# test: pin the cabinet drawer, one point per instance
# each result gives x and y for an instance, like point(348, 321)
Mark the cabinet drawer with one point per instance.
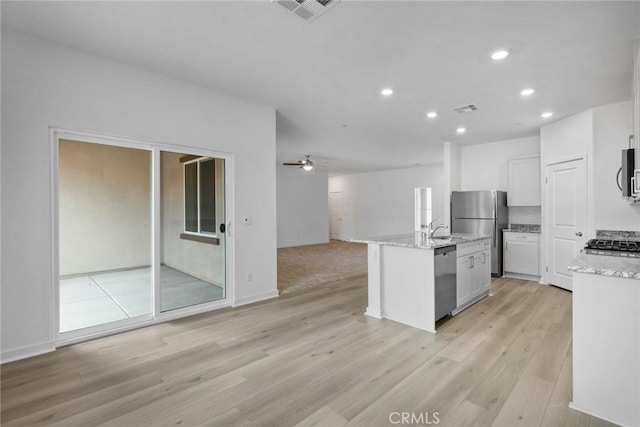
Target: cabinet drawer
point(463, 249)
point(510, 236)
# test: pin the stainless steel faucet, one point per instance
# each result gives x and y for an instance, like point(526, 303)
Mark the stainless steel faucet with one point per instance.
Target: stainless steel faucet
point(433, 230)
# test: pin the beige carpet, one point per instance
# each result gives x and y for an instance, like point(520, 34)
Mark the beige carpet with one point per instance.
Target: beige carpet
point(305, 266)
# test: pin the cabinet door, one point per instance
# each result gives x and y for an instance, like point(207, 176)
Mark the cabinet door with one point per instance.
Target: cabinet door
point(521, 257)
point(485, 271)
point(463, 276)
point(524, 182)
point(475, 280)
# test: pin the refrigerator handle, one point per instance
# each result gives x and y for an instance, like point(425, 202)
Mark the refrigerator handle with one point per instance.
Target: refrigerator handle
point(495, 219)
point(495, 232)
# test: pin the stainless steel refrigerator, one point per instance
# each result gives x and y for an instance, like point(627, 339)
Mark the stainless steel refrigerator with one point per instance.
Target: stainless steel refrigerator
point(482, 212)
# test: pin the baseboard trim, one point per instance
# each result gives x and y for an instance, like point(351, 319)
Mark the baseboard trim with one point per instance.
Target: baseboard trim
point(256, 298)
point(373, 313)
point(521, 276)
point(27, 351)
point(598, 415)
point(301, 244)
point(470, 303)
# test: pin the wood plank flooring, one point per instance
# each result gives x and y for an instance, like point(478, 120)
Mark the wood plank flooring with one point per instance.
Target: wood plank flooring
point(311, 358)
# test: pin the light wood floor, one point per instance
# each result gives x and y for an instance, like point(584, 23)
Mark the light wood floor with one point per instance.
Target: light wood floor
point(312, 358)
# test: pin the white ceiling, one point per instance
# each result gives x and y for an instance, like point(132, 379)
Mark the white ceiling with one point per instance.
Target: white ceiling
point(324, 78)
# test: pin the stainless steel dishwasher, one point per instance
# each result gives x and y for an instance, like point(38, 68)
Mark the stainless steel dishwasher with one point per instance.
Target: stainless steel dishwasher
point(444, 260)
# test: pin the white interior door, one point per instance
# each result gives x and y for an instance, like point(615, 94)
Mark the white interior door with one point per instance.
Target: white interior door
point(566, 216)
point(335, 212)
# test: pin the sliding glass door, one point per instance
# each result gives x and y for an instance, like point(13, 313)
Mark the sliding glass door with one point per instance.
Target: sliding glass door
point(141, 234)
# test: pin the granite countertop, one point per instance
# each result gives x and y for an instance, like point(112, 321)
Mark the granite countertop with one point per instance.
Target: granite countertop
point(606, 265)
point(419, 240)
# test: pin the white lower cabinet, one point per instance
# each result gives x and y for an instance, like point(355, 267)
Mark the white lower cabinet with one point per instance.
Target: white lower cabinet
point(463, 276)
point(521, 253)
point(473, 272)
point(485, 271)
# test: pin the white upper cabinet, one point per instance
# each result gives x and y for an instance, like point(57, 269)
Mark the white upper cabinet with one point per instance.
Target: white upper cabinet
point(524, 182)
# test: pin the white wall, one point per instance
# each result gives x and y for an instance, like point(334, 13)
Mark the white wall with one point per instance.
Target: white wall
point(612, 125)
point(636, 94)
point(105, 207)
point(452, 177)
point(567, 137)
point(302, 206)
point(525, 215)
point(383, 203)
point(45, 84)
point(485, 166)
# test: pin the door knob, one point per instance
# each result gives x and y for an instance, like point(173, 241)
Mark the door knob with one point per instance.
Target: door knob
point(579, 234)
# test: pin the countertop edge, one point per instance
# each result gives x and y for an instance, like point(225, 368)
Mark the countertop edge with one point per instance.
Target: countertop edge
point(387, 241)
point(604, 265)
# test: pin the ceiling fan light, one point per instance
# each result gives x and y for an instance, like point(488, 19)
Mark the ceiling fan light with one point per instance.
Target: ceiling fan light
point(307, 167)
point(499, 54)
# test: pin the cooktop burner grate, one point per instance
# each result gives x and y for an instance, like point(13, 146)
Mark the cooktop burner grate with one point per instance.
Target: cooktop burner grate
point(628, 248)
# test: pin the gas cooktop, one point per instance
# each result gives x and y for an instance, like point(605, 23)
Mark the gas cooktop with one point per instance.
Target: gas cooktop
point(625, 248)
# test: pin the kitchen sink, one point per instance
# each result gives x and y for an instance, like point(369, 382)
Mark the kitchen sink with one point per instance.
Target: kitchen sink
point(442, 240)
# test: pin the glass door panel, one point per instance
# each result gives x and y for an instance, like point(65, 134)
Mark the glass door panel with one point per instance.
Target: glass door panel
point(192, 213)
point(104, 202)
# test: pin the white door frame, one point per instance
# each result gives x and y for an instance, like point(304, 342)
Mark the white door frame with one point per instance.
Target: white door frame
point(545, 234)
point(55, 135)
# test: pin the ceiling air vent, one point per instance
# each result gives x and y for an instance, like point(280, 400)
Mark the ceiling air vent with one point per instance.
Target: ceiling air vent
point(309, 10)
point(466, 108)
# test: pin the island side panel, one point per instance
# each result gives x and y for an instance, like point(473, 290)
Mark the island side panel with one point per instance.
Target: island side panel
point(407, 291)
point(374, 292)
point(606, 347)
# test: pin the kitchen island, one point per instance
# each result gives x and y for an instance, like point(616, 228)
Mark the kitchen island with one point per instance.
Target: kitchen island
point(606, 337)
point(410, 276)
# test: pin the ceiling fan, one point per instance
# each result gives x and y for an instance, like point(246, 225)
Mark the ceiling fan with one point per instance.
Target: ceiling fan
point(305, 164)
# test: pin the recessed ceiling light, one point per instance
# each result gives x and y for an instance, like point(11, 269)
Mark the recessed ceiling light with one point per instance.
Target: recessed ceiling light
point(499, 54)
point(461, 130)
point(432, 115)
point(546, 115)
point(527, 92)
point(386, 91)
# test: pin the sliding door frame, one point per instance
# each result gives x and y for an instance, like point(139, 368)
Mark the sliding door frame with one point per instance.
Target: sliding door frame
point(157, 316)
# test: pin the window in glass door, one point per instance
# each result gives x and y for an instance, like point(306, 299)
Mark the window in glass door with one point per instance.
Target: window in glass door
point(200, 196)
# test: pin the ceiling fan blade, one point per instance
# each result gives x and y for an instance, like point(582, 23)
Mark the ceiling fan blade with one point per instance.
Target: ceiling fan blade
point(293, 164)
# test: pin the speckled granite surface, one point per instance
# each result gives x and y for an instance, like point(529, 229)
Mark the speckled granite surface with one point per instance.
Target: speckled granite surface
point(525, 228)
point(604, 265)
point(419, 240)
point(618, 235)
